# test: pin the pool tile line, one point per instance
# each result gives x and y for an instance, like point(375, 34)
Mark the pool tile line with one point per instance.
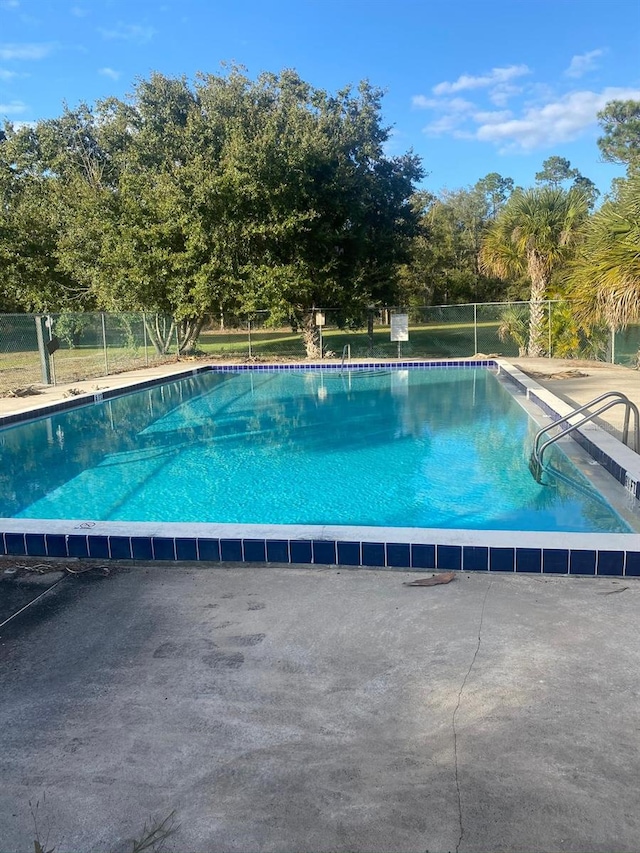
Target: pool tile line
point(417, 556)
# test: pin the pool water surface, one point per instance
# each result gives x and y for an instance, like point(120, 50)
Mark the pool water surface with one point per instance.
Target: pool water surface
point(444, 448)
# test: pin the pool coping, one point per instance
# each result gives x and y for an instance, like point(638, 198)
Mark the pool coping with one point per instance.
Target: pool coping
point(606, 554)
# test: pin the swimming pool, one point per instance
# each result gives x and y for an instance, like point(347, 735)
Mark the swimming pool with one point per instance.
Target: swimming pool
point(385, 448)
point(305, 465)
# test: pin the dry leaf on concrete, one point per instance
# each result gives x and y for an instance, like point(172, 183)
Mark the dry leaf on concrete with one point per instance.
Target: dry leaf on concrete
point(445, 577)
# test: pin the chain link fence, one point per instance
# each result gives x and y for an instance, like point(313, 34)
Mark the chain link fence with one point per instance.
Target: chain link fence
point(64, 348)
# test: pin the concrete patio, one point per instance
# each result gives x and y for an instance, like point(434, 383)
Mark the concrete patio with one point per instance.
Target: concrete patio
point(323, 709)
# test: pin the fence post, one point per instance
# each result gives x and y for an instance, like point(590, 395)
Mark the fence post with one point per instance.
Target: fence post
point(144, 332)
point(177, 342)
point(613, 345)
point(549, 324)
point(475, 328)
point(249, 331)
point(45, 364)
point(104, 344)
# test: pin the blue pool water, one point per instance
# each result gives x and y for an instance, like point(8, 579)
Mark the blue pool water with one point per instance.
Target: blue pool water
point(442, 448)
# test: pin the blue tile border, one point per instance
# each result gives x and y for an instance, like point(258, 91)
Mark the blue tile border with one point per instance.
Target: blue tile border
point(422, 556)
point(373, 554)
point(408, 556)
point(255, 550)
point(502, 559)
point(277, 551)
point(301, 551)
point(529, 560)
point(15, 545)
point(449, 557)
point(324, 551)
point(475, 558)
point(583, 562)
point(186, 549)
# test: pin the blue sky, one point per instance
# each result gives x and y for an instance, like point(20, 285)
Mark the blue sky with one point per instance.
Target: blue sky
point(472, 86)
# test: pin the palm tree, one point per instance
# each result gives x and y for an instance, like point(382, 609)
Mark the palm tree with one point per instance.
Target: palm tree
point(533, 234)
point(604, 279)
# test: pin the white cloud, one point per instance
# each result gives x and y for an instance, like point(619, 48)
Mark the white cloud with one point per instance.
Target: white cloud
point(495, 77)
point(423, 103)
point(79, 12)
point(25, 51)
point(492, 116)
point(129, 32)
point(583, 63)
point(455, 112)
point(500, 94)
point(444, 124)
point(9, 4)
point(559, 121)
point(7, 75)
point(109, 72)
point(456, 105)
point(14, 108)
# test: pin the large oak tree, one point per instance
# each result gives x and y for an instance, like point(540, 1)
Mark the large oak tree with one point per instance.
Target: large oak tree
point(227, 193)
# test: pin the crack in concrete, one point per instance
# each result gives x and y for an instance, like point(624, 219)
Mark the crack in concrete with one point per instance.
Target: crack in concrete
point(455, 712)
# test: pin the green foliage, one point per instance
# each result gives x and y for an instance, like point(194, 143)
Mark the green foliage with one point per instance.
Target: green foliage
point(620, 143)
point(225, 194)
point(557, 171)
point(567, 337)
point(70, 326)
point(535, 233)
point(514, 324)
point(495, 190)
point(572, 339)
point(444, 266)
point(604, 278)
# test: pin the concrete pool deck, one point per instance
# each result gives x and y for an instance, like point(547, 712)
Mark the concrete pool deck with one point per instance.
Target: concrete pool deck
point(323, 710)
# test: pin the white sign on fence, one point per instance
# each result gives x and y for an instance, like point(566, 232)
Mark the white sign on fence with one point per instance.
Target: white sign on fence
point(399, 327)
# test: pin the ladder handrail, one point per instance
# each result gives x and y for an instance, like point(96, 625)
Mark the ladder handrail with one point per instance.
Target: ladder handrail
point(621, 399)
point(345, 349)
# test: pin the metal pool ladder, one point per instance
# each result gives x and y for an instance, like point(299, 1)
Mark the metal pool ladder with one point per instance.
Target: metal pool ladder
point(615, 398)
point(346, 354)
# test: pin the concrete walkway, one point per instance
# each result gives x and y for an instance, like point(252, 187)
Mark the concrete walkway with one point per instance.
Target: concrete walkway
point(578, 382)
point(281, 709)
point(49, 394)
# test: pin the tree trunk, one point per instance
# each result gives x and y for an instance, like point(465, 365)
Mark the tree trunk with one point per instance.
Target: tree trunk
point(158, 334)
point(370, 337)
point(311, 335)
point(188, 334)
point(538, 274)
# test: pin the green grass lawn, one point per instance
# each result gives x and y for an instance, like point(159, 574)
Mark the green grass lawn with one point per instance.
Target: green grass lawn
point(435, 340)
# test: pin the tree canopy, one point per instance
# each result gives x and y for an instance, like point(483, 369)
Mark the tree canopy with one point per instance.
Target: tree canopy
point(444, 264)
point(534, 234)
point(620, 142)
point(557, 171)
point(604, 278)
point(225, 193)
